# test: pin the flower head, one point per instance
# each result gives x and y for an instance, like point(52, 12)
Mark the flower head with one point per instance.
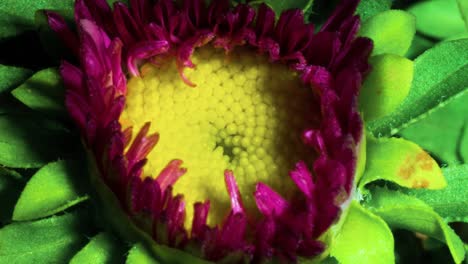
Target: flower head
point(256, 127)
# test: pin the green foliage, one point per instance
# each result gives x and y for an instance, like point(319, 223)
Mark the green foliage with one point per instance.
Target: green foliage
point(386, 86)
point(451, 202)
point(463, 6)
point(368, 8)
point(103, 248)
point(449, 123)
point(51, 240)
point(439, 74)
point(11, 184)
point(17, 16)
point(29, 141)
point(11, 77)
point(402, 162)
point(54, 188)
point(438, 18)
point(406, 212)
point(364, 237)
point(391, 31)
point(43, 92)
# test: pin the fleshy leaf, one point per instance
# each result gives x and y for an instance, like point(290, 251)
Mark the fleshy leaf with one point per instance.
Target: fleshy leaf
point(449, 123)
point(402, 162)
point(364, 237)
point(369, 8)
point(43, 92)
point(463, 6)
point(54, 188)
point(17, 16)
point(12, 76)
point(11, 185)
point(392, 32)
point(406, 212)
point(438, 18)
point(103, 248)
point(51, 240)
point(29, 141)
point(139, 254)
point(439, 74)
point(386, 86)
point(451, 203)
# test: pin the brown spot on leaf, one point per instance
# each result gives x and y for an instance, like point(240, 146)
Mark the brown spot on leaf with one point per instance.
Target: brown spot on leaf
point(421, 184)
point(424, 161)
point(407, 169)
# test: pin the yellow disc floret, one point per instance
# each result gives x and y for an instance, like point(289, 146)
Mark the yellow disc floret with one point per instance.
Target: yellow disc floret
point(245, 114)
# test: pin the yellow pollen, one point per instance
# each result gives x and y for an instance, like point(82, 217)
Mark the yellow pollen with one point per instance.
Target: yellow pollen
point(245, 114)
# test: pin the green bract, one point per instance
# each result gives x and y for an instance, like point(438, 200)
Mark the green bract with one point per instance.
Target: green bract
point(392, 32)
point(364, 237)
point(386, 86)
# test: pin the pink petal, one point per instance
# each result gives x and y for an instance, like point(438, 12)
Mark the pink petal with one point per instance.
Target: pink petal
point(269, 202)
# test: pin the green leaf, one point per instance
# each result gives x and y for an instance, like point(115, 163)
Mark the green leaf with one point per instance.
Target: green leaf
point(10, 105)
point(368, 8)
point(364, 237)
point(280, 5)
point(10, 77)
point(438, 18)
point(139, 254)
point(28, 141)
point(103, 248)
point(386, 86)
point(463, 6)
point(17, 16)
point(403, 162)
point(43, 92)
point(11, 184)
point(392, 32)
point(451, 203)
point(51, 240)
point(54, 188)
point(449, 123)
point(419, 45)
point(439, 74)
point(406, 212)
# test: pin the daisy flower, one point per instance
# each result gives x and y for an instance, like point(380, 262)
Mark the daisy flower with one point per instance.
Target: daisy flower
point(227, 132)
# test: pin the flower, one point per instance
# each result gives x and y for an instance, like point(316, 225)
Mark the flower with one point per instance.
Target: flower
point(330, 65)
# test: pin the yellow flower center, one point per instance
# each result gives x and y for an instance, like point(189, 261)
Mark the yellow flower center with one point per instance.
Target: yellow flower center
point(245, 114)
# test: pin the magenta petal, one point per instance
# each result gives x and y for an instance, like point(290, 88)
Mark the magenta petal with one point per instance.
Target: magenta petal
point(144, 50)
point(199, 226)
point(269, 202)
point(72, 77)
point(341, 13)
point(170, 174)
point(233, 190)
point(303, 179)
point(233, 231)
point(59, 26)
